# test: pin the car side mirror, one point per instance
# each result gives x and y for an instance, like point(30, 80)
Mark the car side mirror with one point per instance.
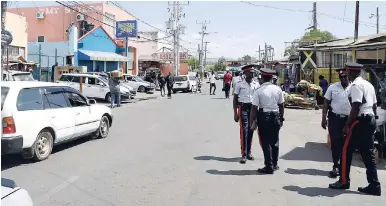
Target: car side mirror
point(91, 101)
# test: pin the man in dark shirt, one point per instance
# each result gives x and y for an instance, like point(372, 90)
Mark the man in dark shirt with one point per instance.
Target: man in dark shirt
point(323, 83)
point(169, 84)
point(53, 71)
point(162, 82)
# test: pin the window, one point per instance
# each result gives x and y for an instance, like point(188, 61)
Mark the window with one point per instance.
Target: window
point(92, 81)
point(4, 93)
point(339, 60)
point(41, 39)
point(65, 78)
point(76, 79)
point(23, 77)
point(75, 99)
point(55, 98)
point(110, 20)
point(180, 78)
point(29, 99)
point(192, 78)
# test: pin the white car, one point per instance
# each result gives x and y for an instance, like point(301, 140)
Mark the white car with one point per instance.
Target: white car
point(140, 84)
point(12, 195)
point(13, 75)
point(93, 86)
point(184, 83)
point(38, 115)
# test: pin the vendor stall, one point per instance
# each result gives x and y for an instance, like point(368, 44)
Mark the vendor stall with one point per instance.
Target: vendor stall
point(306, 98)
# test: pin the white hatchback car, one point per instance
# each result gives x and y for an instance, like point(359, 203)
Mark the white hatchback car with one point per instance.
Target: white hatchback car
point(38, 115)
point(184, 83)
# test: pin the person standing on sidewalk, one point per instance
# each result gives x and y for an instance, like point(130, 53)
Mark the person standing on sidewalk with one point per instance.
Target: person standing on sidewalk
point(162, 82)
point(336, 98)
point(169, 84)
point(115, 92)
point(359, 131)
point(242, 103)
point(212, 81)
point(227, 84)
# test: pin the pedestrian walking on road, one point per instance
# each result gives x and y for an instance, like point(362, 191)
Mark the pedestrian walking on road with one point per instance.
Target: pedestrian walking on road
point(235, 80)
point(227, 84)
point(359, 130)
point(242, 103)
point(337, 108)
point(198, 82)
point(212, 81)
point(169, 84)
point(268, 107)
point(162, 82)
point(115, 93)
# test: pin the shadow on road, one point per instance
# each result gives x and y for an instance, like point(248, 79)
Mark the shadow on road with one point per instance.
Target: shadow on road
point(313, 172)
point(222, 159)
point(14, 160)
point(319, 152)
point(233, 172)
point(318, 191)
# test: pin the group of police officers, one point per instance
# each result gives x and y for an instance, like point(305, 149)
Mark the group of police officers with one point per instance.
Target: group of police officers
point(350, 108)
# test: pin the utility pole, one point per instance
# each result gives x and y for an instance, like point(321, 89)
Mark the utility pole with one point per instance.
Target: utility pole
point(3, 16)
point(40, 62)
point(314, 17)
point(356, 21)
point(205, 51)
point(201, 54)
point(377, 18)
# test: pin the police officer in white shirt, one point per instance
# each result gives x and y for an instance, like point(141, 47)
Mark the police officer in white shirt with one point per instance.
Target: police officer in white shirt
point(242, 103)
point(359, 131)
point(268, 105)
point(337, 108)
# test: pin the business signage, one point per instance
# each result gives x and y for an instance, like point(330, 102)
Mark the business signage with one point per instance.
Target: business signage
point(126, 29)
point(169, 56)
point(6, 38)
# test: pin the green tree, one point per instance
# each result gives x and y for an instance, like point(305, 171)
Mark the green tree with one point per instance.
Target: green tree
point(246, 58)
point(194, 63)
point(219, 66)
point(309, 37)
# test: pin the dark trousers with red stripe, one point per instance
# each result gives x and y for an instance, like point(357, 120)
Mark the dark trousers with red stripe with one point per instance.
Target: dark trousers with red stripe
point(268, 130)
point(246, 133)
point(335, 126)
point(360, 136)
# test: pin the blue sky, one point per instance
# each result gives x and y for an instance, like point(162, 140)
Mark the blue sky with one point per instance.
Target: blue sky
point(243, 27)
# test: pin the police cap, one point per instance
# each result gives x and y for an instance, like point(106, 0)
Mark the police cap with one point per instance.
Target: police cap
point(267, 72)
point(353, 66)
point(247, 68)
point(340, 71)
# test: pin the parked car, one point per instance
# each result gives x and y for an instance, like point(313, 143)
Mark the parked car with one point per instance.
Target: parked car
point(39, 115)
point(220, 75)
point(13, 75)
point(136, 82)
point(133, 91)
point(94, 86)
point(12, 195)
point(184, 83)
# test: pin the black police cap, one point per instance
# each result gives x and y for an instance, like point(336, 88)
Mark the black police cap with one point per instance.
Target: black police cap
point(353, 66)
point(247, 67)
point(267, 72)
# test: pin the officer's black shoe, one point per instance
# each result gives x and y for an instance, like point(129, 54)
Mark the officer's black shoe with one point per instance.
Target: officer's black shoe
point(334, 173)
point(371, 190)
point(276, 167)
point(250, 157)
point(339, 186)
point(243, 160)
point(265, 170)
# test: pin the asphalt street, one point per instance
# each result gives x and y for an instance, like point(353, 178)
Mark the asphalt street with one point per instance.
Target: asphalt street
point(185, 151)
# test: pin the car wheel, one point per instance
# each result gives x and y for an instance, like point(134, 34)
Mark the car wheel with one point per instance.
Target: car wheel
point(141, 89)
point(108, 97)
point(104, 127)
point(42, 147)
point(174, 91)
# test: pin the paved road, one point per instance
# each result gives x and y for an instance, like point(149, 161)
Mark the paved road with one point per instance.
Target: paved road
point(184, 151)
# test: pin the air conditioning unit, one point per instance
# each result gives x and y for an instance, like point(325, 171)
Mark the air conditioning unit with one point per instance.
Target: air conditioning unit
point(40, 15)
point(80, 17)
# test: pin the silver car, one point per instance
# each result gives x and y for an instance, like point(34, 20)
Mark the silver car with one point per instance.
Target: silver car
point(136, 82)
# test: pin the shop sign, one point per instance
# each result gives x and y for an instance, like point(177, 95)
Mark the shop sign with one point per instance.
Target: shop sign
point(169, 56)
point(126, 29)
point(6, 38)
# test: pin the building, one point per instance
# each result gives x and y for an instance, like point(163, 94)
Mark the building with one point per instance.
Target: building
point(17, 50)
point(324, 58)
point(49, 27)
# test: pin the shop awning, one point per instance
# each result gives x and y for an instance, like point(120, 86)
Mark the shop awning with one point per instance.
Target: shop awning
point(101, 56)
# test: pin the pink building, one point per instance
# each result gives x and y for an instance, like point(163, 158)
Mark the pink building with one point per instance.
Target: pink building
point(50, 23)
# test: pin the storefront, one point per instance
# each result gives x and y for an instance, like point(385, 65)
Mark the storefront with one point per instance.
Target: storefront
point(99, 52)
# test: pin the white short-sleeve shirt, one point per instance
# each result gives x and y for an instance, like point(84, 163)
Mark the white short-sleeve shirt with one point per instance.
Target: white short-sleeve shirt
point(245, 91)
point(363, 90)
point(268, 97)
point(339, 98)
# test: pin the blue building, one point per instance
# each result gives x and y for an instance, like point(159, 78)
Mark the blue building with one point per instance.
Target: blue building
point(98, 51)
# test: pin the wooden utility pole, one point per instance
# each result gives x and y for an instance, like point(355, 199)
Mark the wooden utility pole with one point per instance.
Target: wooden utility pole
point(314, 17)
point(377, 16)
point(356, 21)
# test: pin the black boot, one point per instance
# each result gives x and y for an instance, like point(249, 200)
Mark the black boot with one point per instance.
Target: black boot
point(243, 160)
point(250, 157)
point(276, 167)
point(339, 185)
point(334, 173)
point(371, 190)
point(266, 170)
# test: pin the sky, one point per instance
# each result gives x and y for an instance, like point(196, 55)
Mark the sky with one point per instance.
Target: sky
point(237, 29)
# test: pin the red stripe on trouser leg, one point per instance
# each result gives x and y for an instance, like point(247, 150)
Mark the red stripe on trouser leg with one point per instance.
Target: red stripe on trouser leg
point(241, 132)
point(344, 152)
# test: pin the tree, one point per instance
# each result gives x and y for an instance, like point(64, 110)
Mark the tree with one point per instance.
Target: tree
point(219, 66)
point(308, 38)
point(246, 58)
point(194, 63)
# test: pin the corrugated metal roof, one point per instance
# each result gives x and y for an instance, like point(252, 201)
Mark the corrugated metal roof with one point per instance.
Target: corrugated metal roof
point(348, 41)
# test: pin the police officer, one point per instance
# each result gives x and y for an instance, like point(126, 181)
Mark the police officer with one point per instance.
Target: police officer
point(242, 103)
point(268, 106)
point(337, 108)
point(359, 130)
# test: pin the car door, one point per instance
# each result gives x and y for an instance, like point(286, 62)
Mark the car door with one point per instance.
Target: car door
point(95, 88)
point(85, 120)
point(59, 113)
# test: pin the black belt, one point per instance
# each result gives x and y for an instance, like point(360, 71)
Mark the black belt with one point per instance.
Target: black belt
point(245, 104)
point(338, 115)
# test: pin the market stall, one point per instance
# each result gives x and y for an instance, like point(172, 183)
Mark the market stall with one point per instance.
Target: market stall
point(305, 98)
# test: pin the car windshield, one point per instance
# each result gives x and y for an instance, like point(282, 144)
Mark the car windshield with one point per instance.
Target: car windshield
point(4, 93)
point(23, 77)
point(192, 78)
point(220, 72)
point(180, 78)
point(137, 78)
